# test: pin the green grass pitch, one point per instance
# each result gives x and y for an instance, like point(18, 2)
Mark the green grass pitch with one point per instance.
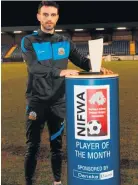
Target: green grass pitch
point(13, 84)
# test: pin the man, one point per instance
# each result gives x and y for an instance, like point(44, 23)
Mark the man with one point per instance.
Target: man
point(46, 54)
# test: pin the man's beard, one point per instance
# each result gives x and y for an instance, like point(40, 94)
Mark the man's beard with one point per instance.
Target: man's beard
point(48, 28)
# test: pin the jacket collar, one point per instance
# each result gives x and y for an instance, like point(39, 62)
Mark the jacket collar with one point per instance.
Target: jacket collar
point(43, 34)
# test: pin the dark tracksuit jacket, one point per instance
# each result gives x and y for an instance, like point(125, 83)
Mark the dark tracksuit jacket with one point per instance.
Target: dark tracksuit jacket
point(46, 55)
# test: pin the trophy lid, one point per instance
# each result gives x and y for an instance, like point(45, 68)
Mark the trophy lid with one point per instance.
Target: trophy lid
point(91, 75)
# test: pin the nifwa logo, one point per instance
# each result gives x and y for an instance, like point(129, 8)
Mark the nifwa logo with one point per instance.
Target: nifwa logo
point(91, 110)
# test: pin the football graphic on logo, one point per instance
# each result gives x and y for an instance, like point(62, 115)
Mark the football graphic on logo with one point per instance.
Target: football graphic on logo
point(94, 127)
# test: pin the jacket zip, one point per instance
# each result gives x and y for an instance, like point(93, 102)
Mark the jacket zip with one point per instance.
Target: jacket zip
point(52, 68)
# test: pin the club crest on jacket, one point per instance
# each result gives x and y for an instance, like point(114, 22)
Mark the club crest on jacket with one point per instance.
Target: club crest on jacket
point(61, 51)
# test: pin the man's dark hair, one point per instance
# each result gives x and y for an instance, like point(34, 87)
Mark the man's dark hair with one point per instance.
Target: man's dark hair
point(48, 3)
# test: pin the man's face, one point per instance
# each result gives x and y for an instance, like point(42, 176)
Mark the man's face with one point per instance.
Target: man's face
point(48, 17)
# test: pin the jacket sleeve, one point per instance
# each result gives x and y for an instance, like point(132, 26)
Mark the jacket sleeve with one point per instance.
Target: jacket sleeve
point(35, 66)
point(78, 59)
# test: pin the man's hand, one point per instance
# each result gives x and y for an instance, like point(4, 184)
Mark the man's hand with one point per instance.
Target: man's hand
point(69, 72)
point(106, 71)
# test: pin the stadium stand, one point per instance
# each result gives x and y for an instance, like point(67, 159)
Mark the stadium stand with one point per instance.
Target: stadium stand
point(120, 47)
point(114, 48)
point(83, 47)
point(122, 44)
point(4, 49)
point(16, 55)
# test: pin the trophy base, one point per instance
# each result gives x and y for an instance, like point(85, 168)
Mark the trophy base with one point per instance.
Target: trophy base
point(90, 73)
